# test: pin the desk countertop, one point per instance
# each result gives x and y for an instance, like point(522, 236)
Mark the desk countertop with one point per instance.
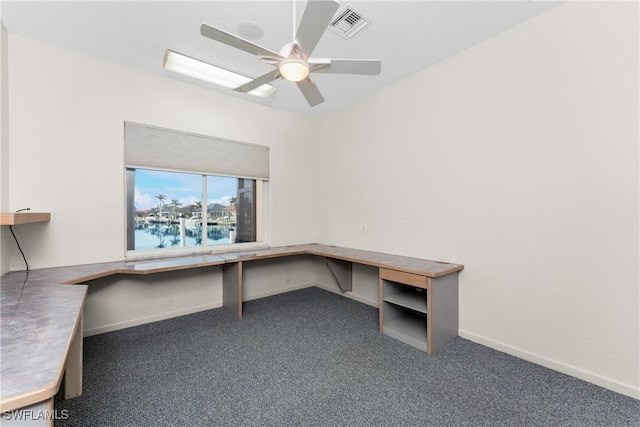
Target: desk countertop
point(38, 320)
point(423, 267)
point(82, 273)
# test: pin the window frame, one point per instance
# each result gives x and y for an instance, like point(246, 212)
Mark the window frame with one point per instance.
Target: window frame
point(153, 148)
point(260, 242)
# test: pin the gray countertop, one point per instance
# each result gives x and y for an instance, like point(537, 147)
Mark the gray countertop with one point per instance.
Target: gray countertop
point(37, 324)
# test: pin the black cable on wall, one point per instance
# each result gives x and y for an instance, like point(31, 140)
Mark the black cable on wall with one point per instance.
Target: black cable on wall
point(16, 239)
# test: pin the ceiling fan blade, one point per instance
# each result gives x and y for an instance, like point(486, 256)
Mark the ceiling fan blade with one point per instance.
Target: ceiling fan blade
point(310, 92)
point(233, 41)
point(370, 67)
point(259, 81)
point(315, 20)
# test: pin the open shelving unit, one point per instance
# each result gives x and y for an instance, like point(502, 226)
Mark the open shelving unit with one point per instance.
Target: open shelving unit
point(406, 316)
point(403, 308)
point(418, 310)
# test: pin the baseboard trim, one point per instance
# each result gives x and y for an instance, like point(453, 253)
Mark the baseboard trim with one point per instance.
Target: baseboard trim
point(599, 380)
point(149, 319)
point(347, 294)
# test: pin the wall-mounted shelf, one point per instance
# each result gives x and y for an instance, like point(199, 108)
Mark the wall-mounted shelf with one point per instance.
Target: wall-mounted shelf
point(17, 218)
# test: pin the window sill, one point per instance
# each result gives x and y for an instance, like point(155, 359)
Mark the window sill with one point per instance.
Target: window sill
point(181, 252)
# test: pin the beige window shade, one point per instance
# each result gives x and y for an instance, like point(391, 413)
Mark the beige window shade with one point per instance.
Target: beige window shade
point(157, 148)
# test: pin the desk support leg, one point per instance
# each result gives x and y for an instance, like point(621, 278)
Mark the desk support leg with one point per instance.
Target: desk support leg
point(442, 311)
point(73, 366)
point(232, 287)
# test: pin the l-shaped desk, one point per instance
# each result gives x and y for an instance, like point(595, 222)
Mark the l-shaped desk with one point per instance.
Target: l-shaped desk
point(42, 322)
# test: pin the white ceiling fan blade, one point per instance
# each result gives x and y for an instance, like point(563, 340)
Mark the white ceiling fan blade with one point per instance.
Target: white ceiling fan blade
point(259, 81)
point(233, 41)
point(370, 67)
point(310, 92)
point(315, 20)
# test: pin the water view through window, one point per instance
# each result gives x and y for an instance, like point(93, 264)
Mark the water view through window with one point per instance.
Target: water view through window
point(173, 209)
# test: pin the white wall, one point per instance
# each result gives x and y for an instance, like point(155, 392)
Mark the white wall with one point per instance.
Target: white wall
point(518, 158)
point(67, 115)
point(5, 235)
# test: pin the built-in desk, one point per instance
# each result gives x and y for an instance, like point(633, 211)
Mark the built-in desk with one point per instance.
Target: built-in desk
point(433, 284)
point(42, 318)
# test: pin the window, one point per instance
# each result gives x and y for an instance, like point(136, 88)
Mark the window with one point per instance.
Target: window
point(169, 212)
point(191, 192)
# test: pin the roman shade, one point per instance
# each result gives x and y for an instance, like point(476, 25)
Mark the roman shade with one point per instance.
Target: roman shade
point(156, 148)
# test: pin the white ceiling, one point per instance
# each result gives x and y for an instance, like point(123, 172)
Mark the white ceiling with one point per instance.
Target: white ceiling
point(407, 36)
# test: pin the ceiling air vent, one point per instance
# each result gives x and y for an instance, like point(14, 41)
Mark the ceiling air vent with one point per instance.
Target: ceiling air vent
point(348, 22)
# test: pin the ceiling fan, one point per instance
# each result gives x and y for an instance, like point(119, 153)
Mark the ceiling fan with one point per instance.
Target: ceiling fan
point(294, 62)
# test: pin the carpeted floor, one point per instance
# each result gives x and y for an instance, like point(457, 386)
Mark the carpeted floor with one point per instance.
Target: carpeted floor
point(313, 358)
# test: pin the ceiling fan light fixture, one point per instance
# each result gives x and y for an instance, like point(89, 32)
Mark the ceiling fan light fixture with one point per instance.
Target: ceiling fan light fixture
point(191, 67)
point(294, 69)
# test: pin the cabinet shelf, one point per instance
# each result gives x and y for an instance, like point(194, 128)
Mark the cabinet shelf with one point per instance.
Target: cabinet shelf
point(17, 218)
point(410, 300)
point(410, 330)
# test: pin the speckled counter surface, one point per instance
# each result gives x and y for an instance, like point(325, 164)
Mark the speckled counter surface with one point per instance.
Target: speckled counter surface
point(423, 267)
point(37, 324)
point(419, 266)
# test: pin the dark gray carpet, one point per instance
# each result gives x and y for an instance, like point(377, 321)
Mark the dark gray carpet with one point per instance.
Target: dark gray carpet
point(313, 358)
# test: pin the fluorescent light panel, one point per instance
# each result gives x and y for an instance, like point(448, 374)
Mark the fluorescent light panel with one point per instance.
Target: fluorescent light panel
point(182, 64)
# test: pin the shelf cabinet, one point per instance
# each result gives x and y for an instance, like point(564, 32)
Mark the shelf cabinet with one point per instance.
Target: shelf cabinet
point(418, 310)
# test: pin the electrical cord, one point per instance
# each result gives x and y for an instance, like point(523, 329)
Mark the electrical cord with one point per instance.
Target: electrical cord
point(16, 239)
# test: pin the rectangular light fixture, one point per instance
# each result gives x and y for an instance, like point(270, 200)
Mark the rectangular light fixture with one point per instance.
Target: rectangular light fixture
point(182, 64)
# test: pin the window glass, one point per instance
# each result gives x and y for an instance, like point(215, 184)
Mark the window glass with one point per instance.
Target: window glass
point(166, 210)
point(162, 202)
point(221, 210)
point(246, 218)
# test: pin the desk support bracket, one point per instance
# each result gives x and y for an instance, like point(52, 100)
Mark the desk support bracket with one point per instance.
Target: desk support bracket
point(342, 272)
